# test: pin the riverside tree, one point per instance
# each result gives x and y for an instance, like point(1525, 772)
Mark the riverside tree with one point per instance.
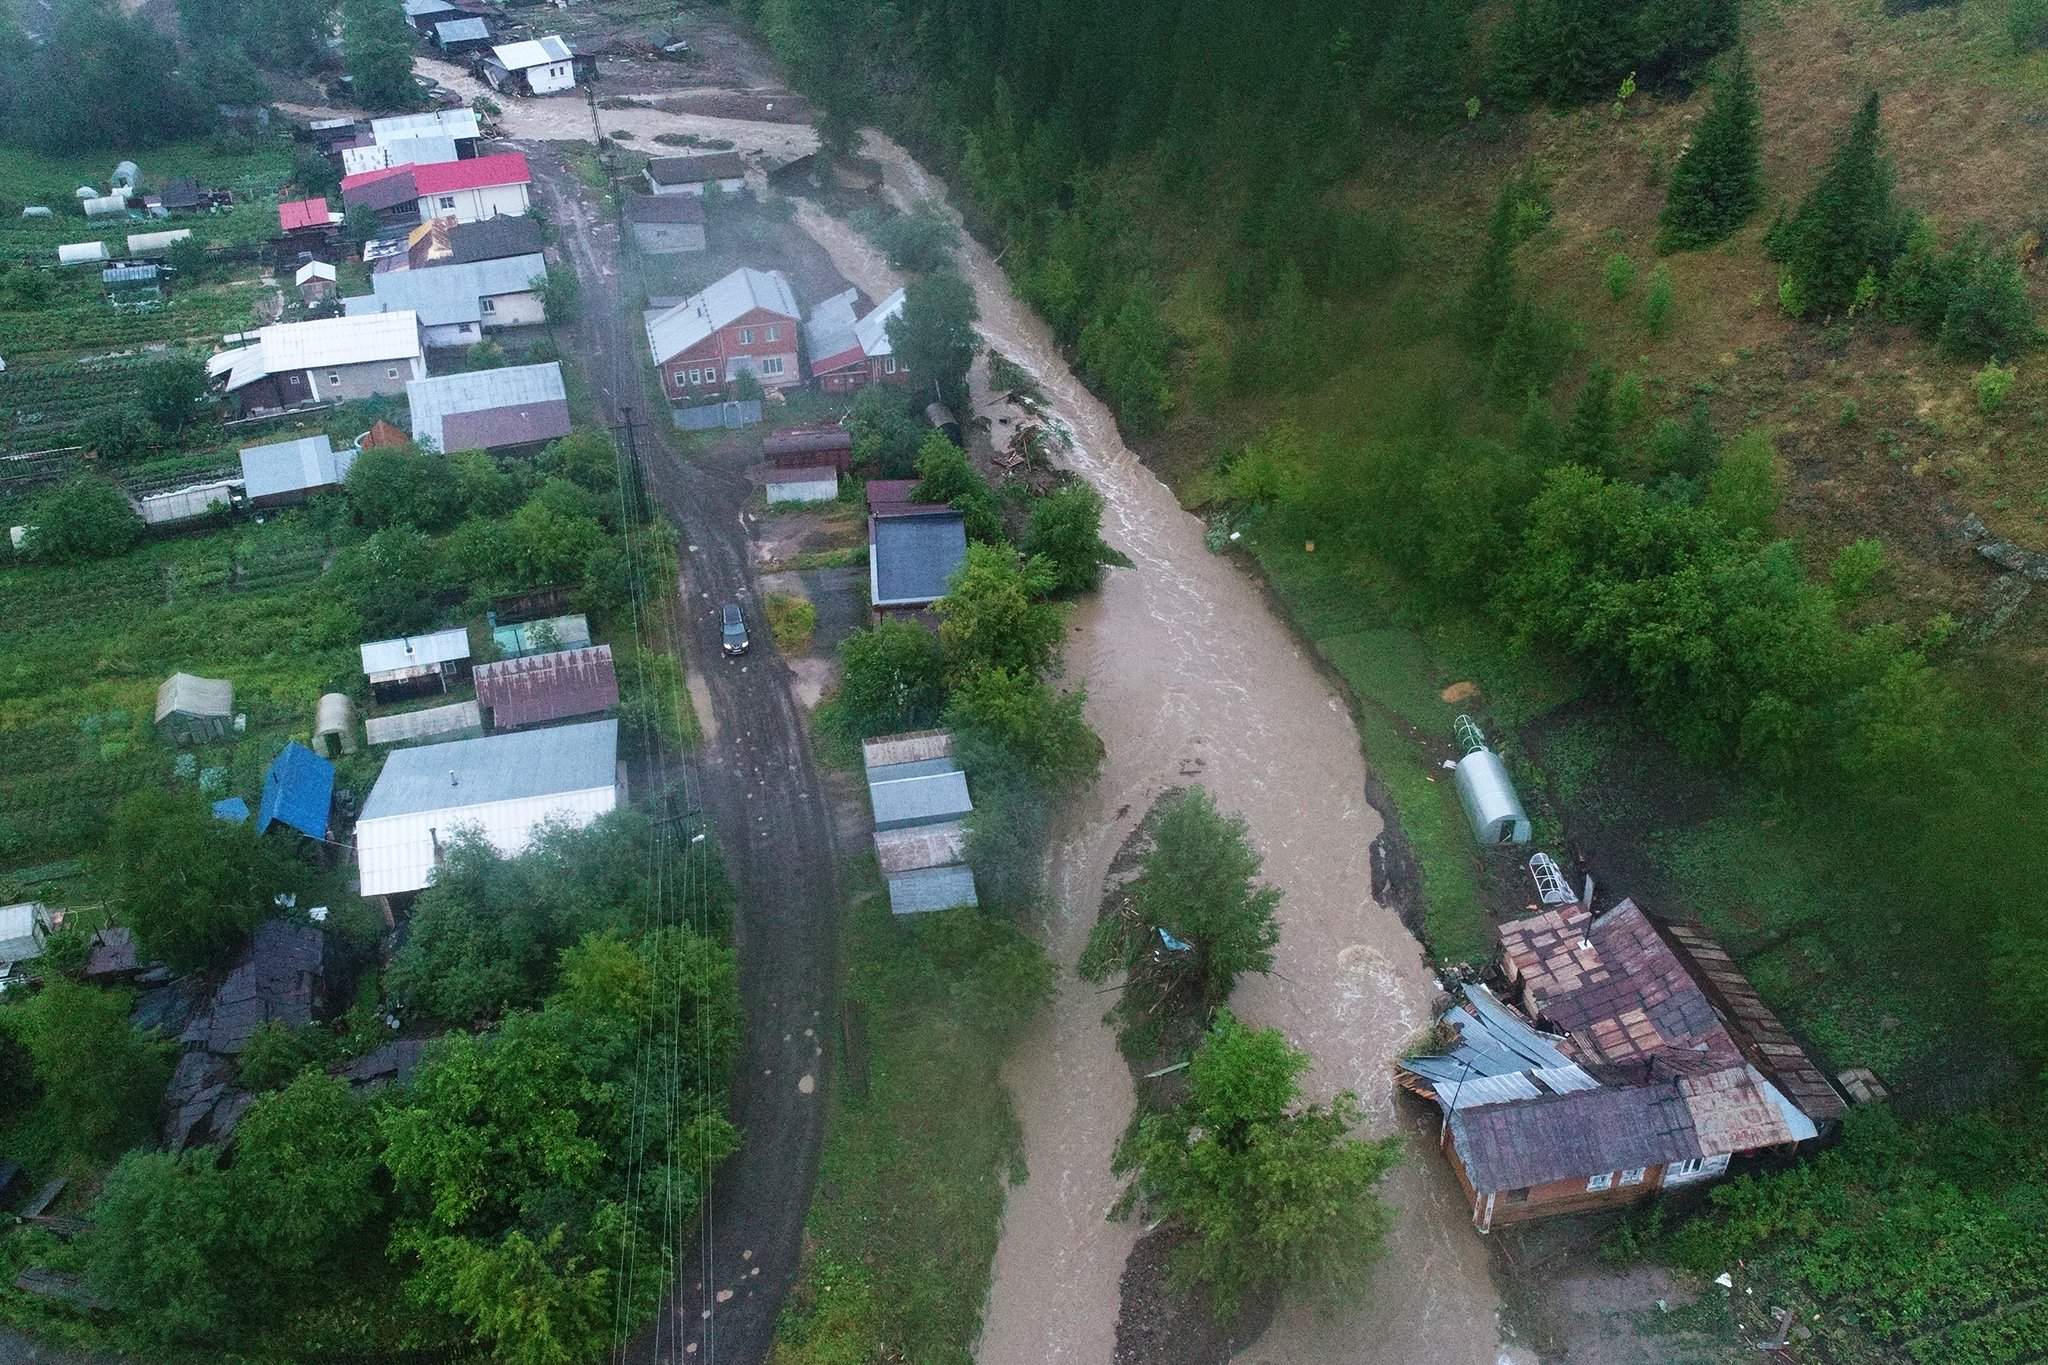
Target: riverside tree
point(1274, 1192)
point(1718, 183)
point(1066, 532)
point(892, 677)
point(934, 334)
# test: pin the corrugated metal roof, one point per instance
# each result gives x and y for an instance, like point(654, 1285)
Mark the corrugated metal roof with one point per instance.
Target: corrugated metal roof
point(433, 401)
point(303, 213)
point(294, 466)
point(829, 332)
point(435, 722)
point(461, 31)
point(938, 888)
point(911, 559)
point(488, 239)
point(920, 847)
point(453, 123)
point(497, 428)
point(298, 788)
point(545, 687)
point(503, 786)
point(340, 341)
point(920, 800)
point(415, 651)
point(916, 767)
point(446, 295)
point(664, 208)
point(722, 303)
point(872, 331)
point(696, 169)
point(429, 149)
point(532, 52)
point(502, 168)
point(906, 748)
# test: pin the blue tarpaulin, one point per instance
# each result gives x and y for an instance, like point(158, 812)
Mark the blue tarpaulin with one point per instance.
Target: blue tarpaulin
point(297, 792)
point(234, 810)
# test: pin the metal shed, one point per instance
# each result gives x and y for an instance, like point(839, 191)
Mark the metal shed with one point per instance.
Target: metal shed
point(1487, 791)
point(928, 800)
point(191, 709)
point(23, 929)
point(819, 484)
point(935, 888)
point(402, 665)
point(334, 725)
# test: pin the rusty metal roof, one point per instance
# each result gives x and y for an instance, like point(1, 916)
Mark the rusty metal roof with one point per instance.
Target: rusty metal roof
point(545, 687)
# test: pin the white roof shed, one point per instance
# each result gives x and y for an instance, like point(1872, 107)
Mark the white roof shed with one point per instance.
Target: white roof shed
point(409, 654)
point(23, 928)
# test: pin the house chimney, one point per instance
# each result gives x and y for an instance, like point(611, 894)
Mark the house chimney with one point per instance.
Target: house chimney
point(451, 778)
point(408, 645)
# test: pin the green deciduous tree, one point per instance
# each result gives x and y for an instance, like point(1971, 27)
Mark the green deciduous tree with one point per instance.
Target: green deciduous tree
point(99, 1079)
point(1847, 226)
point(945, 476)
point(191, 887)
point(921, 240)
point(377, 47)
point(1066, 532)
point(1126, 354)
point(102, 79)
point(171, 389)
point(993, 615)
point(1199, 884)
point(892, 677)
point(86, 518)
point(389, 487)
point(934, 334)
point(1718, 183)
point(1017, 723)
point(162, 1242)
point(1274, 1192)
point(1743, 490)
point(886, 433)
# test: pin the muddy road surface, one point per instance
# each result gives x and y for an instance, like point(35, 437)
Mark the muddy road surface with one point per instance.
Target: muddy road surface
point(755, 781)
point(1191, 678)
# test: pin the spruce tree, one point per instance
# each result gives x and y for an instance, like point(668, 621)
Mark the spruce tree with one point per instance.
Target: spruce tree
point(1490, 294)
point(1847, 227)
point(1719, 181)
point(1589, 439)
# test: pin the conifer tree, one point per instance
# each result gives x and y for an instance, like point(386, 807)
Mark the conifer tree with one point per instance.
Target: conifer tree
point(1847, 227)
point(1490, 294)
point(1589, 439)
point(1719, 181)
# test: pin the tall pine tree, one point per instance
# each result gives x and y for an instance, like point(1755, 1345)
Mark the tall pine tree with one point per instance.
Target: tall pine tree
point(1847, 227)
point(1490, 294)
point(1719, 181)
point(1590, 438)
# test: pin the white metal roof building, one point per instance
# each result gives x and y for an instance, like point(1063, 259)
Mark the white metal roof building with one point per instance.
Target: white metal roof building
point(300, 466)
point(533, 387)
point(456, 124)
point(409, 654)
point(324, 344)
point(722, 303)
point(506, 787)
point(23, 928)
point(449, 294)
point(533, 52)
point(872, 331)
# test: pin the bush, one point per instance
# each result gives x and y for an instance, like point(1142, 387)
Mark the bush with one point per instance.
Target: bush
point(1619, 276)
point(921, 240)
point(87, 518)
point(791, 620)
point(1657, 303)
point(1992, 384)
point(892, 678)
point(1970, 300)
point(2027, 23)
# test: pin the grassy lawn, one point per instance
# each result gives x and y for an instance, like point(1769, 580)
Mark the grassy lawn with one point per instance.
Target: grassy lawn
point(920, 1144)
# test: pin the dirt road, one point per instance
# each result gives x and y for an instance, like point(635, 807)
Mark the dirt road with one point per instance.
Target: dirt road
point(768, 810)
point(1190, 678)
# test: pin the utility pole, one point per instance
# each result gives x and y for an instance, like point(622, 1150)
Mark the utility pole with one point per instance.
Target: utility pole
point(629, 430)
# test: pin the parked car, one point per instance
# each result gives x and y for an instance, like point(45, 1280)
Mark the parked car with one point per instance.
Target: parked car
point(732, 631)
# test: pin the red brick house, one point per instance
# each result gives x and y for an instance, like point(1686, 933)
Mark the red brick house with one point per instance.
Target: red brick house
point(745, 323)
point(1605, 1071)
point(847, 343)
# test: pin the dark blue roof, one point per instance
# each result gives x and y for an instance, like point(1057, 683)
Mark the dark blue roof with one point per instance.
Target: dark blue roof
point(233, 809)
point(297, 791)
point(914, 557)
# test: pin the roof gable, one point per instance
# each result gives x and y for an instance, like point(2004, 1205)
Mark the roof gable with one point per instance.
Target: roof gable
point(298, 788)
point(484, 172)
point(434, 402)
point(720, 305)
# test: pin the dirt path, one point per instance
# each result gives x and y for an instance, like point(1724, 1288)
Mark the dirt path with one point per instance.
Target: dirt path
point(1191, 678)
point(768, 809)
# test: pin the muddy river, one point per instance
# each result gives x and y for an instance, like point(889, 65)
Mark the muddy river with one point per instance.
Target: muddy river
point(1190, 678)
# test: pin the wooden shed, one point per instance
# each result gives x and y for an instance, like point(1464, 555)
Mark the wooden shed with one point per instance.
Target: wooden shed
point(194, 710)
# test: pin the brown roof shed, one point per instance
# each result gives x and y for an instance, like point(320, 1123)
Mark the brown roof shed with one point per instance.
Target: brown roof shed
point(547, 687)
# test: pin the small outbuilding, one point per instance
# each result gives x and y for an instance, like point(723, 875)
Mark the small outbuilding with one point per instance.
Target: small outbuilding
point(133, 284)
point(316, 282)
point(412, 665)
point(83, 253)
point(819, 483)
point(195, 710)
point(334, 726)
point(666, 224)
point(286, 472)
point(1487, 792)
point(540, 688)
point(805, 447)
point(298, 791)
point(516, 641)
point(156, 243)
point(24, 929)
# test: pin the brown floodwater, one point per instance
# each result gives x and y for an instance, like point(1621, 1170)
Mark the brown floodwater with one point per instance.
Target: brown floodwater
point(1191, 679)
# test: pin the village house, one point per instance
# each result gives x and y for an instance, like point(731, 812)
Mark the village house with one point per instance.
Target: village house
point(388, 193)
point(666, 224)
point(443, 241)
point(324, 361)
point(287, 472)
point(538, 66)
point(424, 139)
point(914, 549)
point(456, 38)
point(457, 303)
point(467, 191)
point(504, 788)
point(847, 343)
point(1607, 1072)
point(540, 689)
point(414, 665)
point(746, 323)
point(691, 174)
point(307, 218)
point(513, 410)
point(422, 15)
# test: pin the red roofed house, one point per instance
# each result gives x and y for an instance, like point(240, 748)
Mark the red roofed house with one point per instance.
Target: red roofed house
point(388, 192)
point(849, 345)
point(305, 215)
point(472, 191)
point(1609, 1071)
point(744, 323)
point(564, 684)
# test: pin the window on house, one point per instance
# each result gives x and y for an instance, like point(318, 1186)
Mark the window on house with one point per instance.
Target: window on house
point(447, 201)
point(391, 372)
point(488, 305)
point(772, 365)
point(1680, 1170)
point(333, 377)
point(1600, 1182)
point(1633, 1175)
point(696, 376)
point(746, 336)
point(772, 333)
point(888, 364)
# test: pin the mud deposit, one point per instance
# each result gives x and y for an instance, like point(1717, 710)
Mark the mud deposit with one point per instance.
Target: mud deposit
point(1159, 1327)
